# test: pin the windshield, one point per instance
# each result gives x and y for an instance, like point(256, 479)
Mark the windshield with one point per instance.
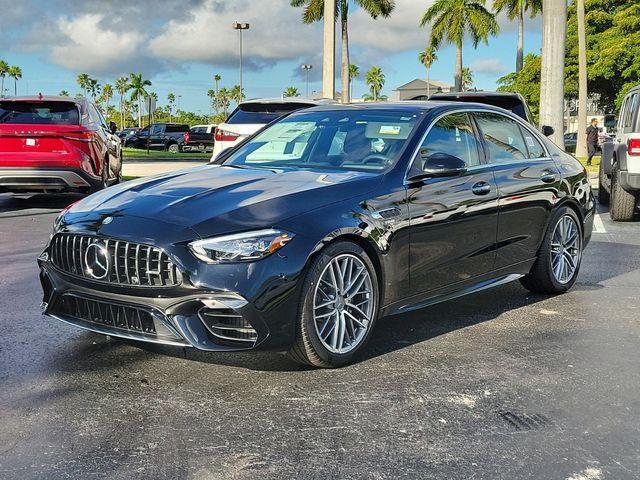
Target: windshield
point(357, 139)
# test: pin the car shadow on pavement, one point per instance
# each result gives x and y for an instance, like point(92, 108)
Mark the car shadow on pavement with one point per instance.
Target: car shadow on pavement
point(22, 204)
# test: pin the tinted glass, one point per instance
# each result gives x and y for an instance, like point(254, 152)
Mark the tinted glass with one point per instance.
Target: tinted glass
point(502, 137)
point(156, 129)
point(452, 135)
point(261, 113)
point(176, 128)
point(345, 140)
point(533, 144)
point(40, 113)
point(199, 130)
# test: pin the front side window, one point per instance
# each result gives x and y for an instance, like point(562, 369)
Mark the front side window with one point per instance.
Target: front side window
point(156, 129)
point(502, 137)
point(452, 135)
point(369, 140)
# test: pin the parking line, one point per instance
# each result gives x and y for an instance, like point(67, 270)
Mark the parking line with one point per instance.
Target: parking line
point(598, 224)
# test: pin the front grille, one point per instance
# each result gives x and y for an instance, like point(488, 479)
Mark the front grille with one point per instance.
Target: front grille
point(118, 316)
point(228, 325)
point(121, 263)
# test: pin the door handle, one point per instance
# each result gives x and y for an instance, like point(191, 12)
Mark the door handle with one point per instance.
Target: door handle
point(481, 188)
point(548, 177)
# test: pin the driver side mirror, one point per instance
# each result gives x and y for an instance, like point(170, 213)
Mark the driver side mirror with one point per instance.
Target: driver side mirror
point(440, 165)
point(113, 128)
point(547, 130)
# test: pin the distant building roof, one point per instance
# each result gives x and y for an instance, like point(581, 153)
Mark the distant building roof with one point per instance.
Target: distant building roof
point(417, 89)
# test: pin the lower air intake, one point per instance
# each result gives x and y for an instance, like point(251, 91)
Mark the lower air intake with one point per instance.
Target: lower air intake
point(228, 325)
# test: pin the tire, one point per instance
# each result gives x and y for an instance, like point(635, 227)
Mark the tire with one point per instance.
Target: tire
point(543, 278)
point(313, 341)
point(173, 148)
point(603, 195)
point(623, 203)
point(104, 178)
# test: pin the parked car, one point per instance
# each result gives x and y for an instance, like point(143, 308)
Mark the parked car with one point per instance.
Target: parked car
point(319, 224)
point(251, 116)
point(619, 176)
point(126, 132)
point(160, 136)
point(54, 144)
point(200, 139)
point(514, 102)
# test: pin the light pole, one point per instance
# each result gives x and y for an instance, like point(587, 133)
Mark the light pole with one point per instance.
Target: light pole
point(240, 27)
point(306, 68)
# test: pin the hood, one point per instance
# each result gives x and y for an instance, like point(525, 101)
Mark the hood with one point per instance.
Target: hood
point(214, 199)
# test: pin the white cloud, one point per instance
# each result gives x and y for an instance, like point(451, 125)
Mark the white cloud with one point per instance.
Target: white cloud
point(489, 66)
point(86, 45)
point(276, 33)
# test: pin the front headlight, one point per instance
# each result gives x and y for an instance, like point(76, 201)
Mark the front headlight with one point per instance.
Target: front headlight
point(240, 247)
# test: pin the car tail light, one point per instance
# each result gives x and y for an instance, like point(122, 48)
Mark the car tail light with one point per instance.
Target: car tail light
point(187, 136)
point(224, 136)
point(79, 136)
point(633, 147)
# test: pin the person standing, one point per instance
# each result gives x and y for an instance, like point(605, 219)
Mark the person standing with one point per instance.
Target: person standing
point(592, 139)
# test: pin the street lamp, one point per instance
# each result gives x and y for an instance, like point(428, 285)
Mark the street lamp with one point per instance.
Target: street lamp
point(240, 27)
point(306, 68)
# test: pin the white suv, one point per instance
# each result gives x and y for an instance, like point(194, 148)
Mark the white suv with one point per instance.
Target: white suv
point(620, 162)
point(252, 115)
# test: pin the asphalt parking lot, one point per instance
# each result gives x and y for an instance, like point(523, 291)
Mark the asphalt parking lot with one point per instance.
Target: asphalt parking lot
point(501, 385)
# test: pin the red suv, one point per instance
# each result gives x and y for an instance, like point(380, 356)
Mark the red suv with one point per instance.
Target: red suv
point(55, 144)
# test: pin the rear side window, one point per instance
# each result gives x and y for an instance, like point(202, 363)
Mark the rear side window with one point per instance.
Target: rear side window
point(39, 113)
point(533, 145)
point(453, 135)
point(502, 137)
point(262, 113)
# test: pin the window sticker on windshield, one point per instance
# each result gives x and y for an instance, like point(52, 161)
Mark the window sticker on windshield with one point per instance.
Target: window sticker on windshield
point(530, 142)
point(390, 130)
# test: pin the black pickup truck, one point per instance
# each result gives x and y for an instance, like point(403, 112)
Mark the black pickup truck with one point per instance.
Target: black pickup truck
point(172, 137)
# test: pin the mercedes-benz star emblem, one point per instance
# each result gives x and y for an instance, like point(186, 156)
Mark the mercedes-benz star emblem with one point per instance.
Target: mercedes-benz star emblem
point(107, 220)
point(98, 261)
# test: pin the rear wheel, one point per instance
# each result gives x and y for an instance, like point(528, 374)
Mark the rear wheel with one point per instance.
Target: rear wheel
point(339, 307)
point(623, 203)
point(560, 255)
point(173, 148)
point(104, 177)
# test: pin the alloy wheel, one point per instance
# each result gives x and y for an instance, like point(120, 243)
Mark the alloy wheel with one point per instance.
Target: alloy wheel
point(344, 304)
point(566, 249)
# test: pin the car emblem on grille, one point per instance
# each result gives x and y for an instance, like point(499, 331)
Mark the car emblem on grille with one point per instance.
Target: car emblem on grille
point(97, 260)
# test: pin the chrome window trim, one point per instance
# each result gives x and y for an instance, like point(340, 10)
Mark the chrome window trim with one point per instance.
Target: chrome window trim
point(521, 122)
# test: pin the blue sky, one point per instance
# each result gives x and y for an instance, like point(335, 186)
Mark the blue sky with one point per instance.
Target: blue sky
point(180, 44)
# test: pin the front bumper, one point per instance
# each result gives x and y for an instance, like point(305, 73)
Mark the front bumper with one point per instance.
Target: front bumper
point(233, 307)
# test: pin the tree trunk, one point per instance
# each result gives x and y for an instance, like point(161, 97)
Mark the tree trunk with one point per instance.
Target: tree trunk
point(581, 147)
point(15, 87)
point(554, 35)
point(2, 87)
point(121, 114)
point(329, 51)
point(519, 55)
point(428, 82)
point(345, 52)
point(458, 75)
point(139, 112)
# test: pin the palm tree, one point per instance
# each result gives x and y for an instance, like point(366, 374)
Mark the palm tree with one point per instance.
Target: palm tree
point(581, 145)
point(224, 99)
point(122, 85)
point(291, 92)
point(171, 98)
point(211, 93)
point(375, 79)
point(354, 72)
point(4, 70)
point(216, 79)
point(63, 93)
point(16, 73)
point(138, 92)
point(515, 9)
point(426, 58)
point(107, 95)
point(554, 36)
point(93, 87)
point(236, 94)
point(314, 12)
point(451, 20)
point(467, 79)
point(83, 82)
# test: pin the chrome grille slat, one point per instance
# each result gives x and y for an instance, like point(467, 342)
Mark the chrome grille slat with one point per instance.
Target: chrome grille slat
point(131, 263)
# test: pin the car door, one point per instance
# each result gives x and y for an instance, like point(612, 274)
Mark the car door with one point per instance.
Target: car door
point(453, 219)
point(157, 138)
point(528, 182)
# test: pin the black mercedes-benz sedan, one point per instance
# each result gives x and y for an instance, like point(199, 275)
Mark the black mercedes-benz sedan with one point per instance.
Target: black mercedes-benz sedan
point(303, 235)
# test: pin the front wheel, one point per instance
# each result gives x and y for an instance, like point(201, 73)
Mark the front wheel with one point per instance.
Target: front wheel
point(338, 309)
point(558, 263)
